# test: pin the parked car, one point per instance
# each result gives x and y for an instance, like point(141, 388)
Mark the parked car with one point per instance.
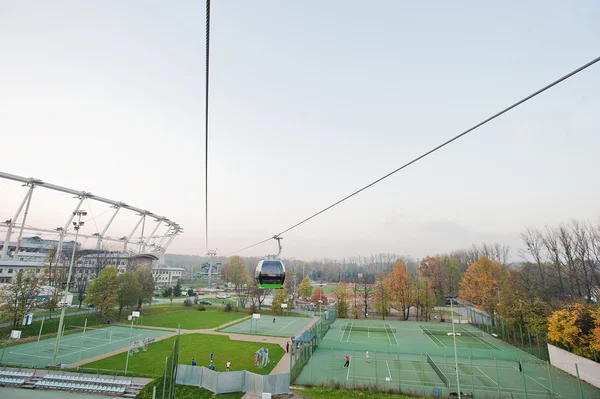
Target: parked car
point(221, 296)
point(205, 302)
point(200, 292)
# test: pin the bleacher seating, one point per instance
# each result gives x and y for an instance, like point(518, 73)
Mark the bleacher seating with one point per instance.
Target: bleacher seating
point(74, 386)
point(10, 373)
point(86, 379)
point(12, 381)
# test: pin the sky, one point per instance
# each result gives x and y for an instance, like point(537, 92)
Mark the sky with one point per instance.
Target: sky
point(309, 101)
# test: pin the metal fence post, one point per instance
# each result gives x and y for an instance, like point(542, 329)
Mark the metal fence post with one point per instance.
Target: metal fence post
point(497, 377)
point(525, 382)
point(579, 381)
point(550, 379)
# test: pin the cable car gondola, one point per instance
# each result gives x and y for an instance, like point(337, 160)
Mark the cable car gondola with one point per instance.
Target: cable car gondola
point(270, 272)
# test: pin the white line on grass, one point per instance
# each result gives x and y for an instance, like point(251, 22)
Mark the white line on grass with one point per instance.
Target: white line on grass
point(477, 367)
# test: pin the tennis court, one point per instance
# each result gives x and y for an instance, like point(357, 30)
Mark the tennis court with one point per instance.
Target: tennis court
point(77, 346)
point(283, 326)
point(419, 357)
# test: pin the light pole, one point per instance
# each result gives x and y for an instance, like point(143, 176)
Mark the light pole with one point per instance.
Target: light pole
point(76, 225)
point(454, 341)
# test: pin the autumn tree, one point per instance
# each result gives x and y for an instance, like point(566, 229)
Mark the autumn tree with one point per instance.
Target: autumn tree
point(236, 272)
point(146, 279)
point(21, 297)
point(398, 285)
point(342, 300)
point(257, 295)
point(432, 267)
point(382, 295)
point(519, 305)
point(452, 276)
point(595, 339)
point(102, 292)
point(366, 291)
point(317, 295)
point(481, 283)
point(281, 297)
point(574, 327)
point(305, 288)
point(423, 295)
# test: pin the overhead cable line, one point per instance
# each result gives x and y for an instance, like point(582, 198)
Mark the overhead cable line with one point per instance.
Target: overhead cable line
point(505, 110)
point(206, 123)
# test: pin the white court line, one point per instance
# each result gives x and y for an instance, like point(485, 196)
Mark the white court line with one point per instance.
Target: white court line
point(477, 367)
point(533, 379)
point(388, 367)
point(293, 321)
point(350, 333)
point(433, 336)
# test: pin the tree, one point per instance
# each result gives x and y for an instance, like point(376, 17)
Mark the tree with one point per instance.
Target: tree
point(481, 283)
point(595, 339)
point(366, 290)
point(257, 295)
point(146, 279)
point(382, 295)
point(21, 297)
point(342, 300)
point(398, 286)
point(102, 292)
point(129, 291)
point(305, 288)
point(236, 272)
point(573, 327)
point(452, 276)
point(177, 289)
point(281, 296)
point(167, 292)
point(432, 267)
point(317, 295)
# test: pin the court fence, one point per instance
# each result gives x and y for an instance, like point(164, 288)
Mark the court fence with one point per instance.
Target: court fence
point(305, 344)
point(233, 381)
point(534, 342)
point(169, 376)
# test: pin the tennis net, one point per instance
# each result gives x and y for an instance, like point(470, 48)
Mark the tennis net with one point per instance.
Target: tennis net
point(439, 371)
point(475, 334)
point(382, 329)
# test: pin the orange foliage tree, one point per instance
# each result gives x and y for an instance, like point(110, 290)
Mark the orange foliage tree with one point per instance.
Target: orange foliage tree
point(399, 284)
point(432, 268)
point(318, 295)
point(574, 327)
point(481, 282)
point(595, 344)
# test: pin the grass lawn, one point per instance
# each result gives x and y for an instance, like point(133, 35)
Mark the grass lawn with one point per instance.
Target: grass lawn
point(194, 346)
point(329, 393)
point(189, 317)
point(327, 289)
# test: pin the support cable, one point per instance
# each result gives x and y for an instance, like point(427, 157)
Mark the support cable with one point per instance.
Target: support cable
point(206, 122)
point(485, 121)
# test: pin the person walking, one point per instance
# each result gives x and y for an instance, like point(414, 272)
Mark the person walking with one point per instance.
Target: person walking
point(368, 357)
point(193, 362)
point(212, 355)
point(287, 347)
point(273, 320)
point(228, 365)
point(347, 364)
point(519, 363)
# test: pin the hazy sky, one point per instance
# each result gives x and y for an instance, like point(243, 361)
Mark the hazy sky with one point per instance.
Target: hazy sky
point(310, 100)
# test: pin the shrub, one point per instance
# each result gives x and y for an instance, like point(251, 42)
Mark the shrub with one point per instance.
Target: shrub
point(188, 302)
point(201, 308)
point(228, 307)
point(167, 292)
point(191, 292)
point(196, 300)
point(252, 309)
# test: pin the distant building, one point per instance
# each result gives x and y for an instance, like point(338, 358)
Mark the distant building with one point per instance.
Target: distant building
point(34, 255)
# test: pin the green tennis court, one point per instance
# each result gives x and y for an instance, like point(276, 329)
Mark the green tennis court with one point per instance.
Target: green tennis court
point(419, 358)
point(77, 346)
point(278, 326)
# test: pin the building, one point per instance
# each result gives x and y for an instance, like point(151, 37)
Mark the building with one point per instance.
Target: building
point(34, 254)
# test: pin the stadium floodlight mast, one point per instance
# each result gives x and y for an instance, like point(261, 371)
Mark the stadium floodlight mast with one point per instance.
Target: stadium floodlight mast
point(76, 225)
